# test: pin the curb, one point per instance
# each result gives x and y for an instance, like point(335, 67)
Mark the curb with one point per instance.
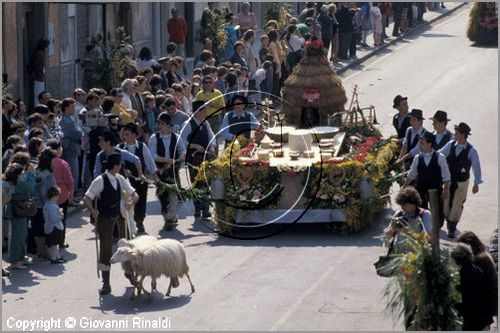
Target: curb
point(395, 40)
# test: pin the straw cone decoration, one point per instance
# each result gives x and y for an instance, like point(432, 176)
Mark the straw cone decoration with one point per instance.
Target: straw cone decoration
point(313, 71)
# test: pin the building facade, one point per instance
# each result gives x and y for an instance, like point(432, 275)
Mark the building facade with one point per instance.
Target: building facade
point(69, 28)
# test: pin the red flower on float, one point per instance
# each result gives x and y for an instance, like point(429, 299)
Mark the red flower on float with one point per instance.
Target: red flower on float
point(366, 147)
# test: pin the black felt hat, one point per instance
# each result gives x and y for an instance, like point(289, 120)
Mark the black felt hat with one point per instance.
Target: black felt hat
point(398, 99)
point(463, 128)
point(429, 137)
point(440, 116)
point(112, 160)
point(416, 113)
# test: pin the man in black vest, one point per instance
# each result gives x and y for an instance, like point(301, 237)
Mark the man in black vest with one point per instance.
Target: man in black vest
point(238, 122)
point(401, 120)
point(410, 146)
point(461, 156)
point(106, 142)
point(441, 133)
point(430, 172)
point(168, 150)
point(199, 138)
point(108, 187)
point(129, 134)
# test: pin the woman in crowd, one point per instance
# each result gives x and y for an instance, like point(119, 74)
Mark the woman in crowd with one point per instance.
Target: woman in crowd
point(295, 44)
point(474, 308)
point(9, 181)
point(145, 58)
point(64, 180)
point(45, 179)
point(274, 50)
point(23, 191)
point(483, 260)
point(12, 142)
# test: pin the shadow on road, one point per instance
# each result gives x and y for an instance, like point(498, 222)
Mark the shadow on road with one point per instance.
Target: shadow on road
point(296, 235)
point(437, 35)
point(19, 280)
point(125, 306)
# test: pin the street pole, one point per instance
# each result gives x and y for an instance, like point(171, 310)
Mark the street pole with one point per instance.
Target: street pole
point(434, 206)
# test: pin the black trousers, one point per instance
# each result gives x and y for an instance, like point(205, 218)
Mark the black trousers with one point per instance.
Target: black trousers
point(424, 195)
point(344, 44)
point(397, 22)
point(105, 227)
point(140, 207)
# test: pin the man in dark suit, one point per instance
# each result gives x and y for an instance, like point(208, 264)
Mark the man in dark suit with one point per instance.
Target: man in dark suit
point(72, 139)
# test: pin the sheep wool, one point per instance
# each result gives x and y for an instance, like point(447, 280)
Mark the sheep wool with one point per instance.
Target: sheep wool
point(147, 256)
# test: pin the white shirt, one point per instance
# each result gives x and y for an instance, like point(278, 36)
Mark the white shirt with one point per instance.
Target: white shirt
point(148, 159)
point(127, 101)
point(181, 147)
point(440, 136)
point(415, 150)
point(97, 185)
point(445, 171)
point(295, 43)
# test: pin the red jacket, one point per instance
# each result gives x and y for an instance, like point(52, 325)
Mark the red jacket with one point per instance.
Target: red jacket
point(177, 30)
point(63, 177)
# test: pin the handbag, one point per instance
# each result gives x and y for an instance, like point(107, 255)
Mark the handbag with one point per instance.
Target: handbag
point(383, 266)
point(25, 208)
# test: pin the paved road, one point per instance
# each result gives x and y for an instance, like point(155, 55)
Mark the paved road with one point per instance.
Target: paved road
point(305, 278)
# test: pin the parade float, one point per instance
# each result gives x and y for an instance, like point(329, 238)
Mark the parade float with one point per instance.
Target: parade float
point(483, 23)
point(311, 161)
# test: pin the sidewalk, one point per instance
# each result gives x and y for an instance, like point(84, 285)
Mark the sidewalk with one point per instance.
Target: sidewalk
point(364, 53)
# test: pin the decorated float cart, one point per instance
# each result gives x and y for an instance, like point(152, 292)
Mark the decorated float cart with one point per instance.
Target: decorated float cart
point(483, 24)
point(311, 161)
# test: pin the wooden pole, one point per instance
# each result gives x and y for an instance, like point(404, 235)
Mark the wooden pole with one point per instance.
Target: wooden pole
point(434, 206)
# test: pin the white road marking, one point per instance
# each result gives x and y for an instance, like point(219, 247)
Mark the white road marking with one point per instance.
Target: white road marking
point(289, 312)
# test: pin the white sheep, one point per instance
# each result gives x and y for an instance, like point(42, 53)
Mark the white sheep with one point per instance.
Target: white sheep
point(154, 258)
point(140, 242)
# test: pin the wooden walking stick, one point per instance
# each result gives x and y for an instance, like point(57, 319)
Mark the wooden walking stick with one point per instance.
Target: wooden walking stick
point(434, 206)
point(96, 240)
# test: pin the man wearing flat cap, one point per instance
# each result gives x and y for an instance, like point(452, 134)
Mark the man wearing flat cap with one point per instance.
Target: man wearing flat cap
point(401, 120)
point(441, 133)
point(461, 156)
point(429, 171)
point(107, 188)
point(410, 147)
point(238, 121)
point(168, 151)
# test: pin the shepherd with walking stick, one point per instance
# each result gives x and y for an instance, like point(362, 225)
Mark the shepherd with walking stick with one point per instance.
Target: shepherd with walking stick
point(108, 189)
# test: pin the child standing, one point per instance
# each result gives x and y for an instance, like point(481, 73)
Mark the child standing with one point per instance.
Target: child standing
point(53, 224)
